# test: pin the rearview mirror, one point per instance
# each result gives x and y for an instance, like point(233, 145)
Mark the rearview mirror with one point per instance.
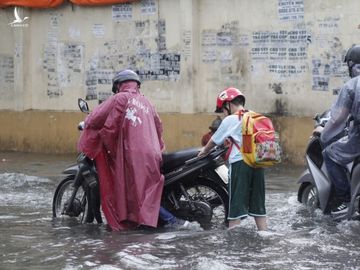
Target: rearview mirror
point(83, 106)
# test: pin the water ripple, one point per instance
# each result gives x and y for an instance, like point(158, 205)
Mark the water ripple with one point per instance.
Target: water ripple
point(297, 238)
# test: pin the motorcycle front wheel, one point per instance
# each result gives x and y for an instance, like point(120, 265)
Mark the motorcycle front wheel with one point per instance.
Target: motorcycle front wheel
point(62, 195)
point(309, 196)
point(210, 201)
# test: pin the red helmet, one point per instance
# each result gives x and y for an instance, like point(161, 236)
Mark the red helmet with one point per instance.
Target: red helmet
point(226, 96)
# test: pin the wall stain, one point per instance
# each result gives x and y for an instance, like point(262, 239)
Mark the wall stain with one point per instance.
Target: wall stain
point(280, 107)
point(276, 87)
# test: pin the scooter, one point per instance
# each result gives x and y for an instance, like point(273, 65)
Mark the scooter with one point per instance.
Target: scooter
point(195, 189)
point(316, 190)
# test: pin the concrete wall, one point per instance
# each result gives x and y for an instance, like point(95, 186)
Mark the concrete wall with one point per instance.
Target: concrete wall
point(285, 55)
point(56, 132)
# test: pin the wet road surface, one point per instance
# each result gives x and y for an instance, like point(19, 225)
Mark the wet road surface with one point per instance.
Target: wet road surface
point(31, 239)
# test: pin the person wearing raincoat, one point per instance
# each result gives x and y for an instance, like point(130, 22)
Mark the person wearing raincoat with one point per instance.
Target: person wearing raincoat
point(344, 150)
point(124, 137)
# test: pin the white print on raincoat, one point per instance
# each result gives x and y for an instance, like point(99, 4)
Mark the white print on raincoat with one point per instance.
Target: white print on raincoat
point(130, 115)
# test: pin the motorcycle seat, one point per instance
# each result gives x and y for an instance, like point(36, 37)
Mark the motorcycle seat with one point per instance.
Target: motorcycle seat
point(173, 160)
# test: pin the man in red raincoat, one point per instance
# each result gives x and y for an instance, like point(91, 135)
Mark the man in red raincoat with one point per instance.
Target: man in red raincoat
point(124, 136)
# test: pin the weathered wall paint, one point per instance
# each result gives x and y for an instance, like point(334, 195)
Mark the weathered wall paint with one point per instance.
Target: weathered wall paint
point(56, 132)
point(286, 56)
point(44, 131)
point(184, 58)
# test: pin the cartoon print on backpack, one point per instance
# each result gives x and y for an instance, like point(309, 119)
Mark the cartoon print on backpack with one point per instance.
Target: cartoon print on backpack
point(261, 144)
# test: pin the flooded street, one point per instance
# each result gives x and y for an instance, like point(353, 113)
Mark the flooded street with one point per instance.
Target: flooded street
point(31, 239)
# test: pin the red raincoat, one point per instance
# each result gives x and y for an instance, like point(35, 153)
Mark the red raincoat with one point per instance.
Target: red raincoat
point(124, 136)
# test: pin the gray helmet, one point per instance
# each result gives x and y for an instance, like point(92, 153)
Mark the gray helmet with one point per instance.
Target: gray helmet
point(353, 55)
point(123, 76)
point(352, 58)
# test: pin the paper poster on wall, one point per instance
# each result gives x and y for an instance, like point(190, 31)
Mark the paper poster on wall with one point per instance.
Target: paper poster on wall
point(50, 66)
point(329, 25)
point(55, 20)
point(52, 37)
point(338, 68)
point(161, 38)
point(98, 30)
point(223, 39)
point(122, 12)
point(244, 40)
point(154, 66)
point(226, 56)
point(6, 73)
point(98, 82)
point(291, 10)
point(286, 70)
point(281, 45)
point(163, 66)
point(208, 42)
point(284, 51)
point(142, 28)
point(63, 65)
point(209, 54)
point(320, 83)
point(74, 32)
point(143, 49)
point(91, 83)
point(104, 77)
point(148, 7)
point(329, 35)
point(186, 43)
point(109, 57)
point(208, 38)
point(73, 55)
point(320, 75)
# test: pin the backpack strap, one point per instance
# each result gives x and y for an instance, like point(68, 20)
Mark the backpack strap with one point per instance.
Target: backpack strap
point(230, 148)
point(240, 113)
point(228, 151)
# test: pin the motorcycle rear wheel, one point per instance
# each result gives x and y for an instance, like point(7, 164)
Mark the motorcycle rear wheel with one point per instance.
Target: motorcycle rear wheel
point(62, 196)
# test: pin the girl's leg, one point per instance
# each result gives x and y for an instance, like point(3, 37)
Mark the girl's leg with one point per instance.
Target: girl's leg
point(233, 223)
point(261, 223)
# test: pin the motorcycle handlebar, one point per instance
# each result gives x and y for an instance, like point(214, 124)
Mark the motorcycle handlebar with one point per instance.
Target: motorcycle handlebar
point(212, 151)
point(194, 159)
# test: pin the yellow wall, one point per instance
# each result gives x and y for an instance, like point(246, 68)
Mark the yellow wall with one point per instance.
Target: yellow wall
point(56, 132)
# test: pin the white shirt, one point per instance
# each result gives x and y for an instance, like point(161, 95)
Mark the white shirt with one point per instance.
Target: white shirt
point(230, 127)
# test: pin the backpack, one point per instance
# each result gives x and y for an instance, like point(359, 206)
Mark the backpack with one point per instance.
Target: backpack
point(261, 146)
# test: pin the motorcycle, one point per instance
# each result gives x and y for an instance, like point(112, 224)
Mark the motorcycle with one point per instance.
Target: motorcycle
point(316, 189)
point(195, 189)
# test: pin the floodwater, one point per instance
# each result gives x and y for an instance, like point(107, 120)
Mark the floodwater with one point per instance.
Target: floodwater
point(31, 239)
